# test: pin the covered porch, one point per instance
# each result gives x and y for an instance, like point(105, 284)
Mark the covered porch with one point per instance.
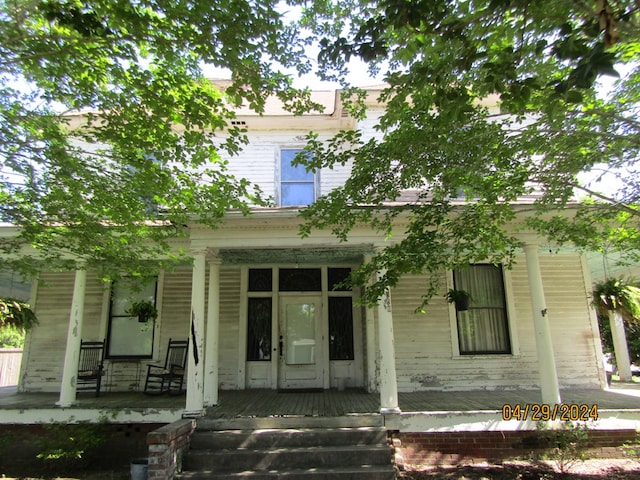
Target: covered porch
point(617, 408)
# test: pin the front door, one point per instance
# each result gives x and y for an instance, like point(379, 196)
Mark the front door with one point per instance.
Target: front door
point(301, 359)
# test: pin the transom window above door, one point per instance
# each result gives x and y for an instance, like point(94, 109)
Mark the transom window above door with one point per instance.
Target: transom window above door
point(297, 185)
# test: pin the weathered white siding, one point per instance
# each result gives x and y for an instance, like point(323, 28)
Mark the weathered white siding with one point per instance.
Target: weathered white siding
point(44, 357)
point(258, 161)
point(425, 356)
point(229, 326)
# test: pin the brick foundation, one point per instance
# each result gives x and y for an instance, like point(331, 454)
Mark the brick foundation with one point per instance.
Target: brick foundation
point(452, 448)
point(166, 445)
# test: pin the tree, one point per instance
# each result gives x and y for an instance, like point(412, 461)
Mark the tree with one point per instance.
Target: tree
point(471, 164)
point(16, 314)
point(111, 137)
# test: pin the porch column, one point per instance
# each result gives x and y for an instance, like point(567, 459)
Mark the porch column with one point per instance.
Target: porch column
point(620, 348)
point(370, 333)
point(388, 380)
point(213, 327)
point(195, 367)
point(74, 336)
point(546, 363)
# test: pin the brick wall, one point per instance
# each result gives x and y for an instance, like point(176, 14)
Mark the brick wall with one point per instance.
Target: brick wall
point(166, 445)
point(451, 448)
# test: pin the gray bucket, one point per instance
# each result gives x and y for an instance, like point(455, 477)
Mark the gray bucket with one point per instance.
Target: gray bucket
point(139, 467)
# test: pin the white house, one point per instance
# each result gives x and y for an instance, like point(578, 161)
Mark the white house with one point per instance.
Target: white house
point(259, 307)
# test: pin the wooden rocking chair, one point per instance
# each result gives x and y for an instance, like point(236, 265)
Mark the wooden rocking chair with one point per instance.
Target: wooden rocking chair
point(170, 376)
point(90, 366)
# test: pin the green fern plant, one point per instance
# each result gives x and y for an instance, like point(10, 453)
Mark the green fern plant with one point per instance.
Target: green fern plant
point(619, 295)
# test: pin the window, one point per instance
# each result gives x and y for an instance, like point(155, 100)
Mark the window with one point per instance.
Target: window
point(300, 280)
point(483, 328)
point(259, 329)
point(297, 185)
point(340, 328)
point(340, 315)
point(128, 337)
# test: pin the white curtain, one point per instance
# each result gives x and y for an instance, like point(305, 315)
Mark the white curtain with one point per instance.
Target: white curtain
point(483, 328)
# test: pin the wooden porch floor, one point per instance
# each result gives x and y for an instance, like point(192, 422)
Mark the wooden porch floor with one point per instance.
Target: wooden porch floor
point(330, 403)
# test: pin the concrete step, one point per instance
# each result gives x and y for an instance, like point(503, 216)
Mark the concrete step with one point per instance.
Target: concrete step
point(306, 448)
point(376, 472)
point(281, 438)
point(347, 421)
point(241, 459)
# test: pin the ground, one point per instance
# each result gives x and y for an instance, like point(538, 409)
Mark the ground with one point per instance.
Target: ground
point(592, 469)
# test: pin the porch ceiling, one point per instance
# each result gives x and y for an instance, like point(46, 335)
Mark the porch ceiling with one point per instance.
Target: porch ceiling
point(343, 255)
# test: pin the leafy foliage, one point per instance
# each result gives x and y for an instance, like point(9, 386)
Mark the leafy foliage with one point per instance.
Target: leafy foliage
point(64, 444)
point(566, 445)
point(11, 337)
point(618, 295)
point(111, 139)
point(15, 313)
point(144, 310)
point(492, 114)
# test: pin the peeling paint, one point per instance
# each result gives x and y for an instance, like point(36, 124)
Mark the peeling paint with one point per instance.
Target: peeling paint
point(426, 380)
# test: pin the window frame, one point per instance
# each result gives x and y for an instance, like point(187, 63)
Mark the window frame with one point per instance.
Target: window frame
point(150, 326)
point(511, 320)
point(314, 182)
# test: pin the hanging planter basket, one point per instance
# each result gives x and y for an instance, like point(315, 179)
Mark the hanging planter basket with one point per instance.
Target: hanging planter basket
point(460, 298)
point(144, 310)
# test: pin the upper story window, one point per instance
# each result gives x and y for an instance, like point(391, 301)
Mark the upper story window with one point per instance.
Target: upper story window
point(484, 327)
point(297, 185)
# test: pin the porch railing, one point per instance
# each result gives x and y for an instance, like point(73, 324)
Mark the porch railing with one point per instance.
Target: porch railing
point(10, 359)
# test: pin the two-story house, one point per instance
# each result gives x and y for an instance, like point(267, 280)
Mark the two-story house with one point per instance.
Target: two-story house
point(260, 310)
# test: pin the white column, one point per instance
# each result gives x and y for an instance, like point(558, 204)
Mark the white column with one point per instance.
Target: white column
point(213, 328)
point(546, 363)
point(370, 332)
point(388, 380)
point(195, 366)
point(620, 348)
point(372, 351)
point(74, 336)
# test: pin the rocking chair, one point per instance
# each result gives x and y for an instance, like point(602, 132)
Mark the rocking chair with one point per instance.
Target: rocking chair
point(169, 377)
point(90, 367)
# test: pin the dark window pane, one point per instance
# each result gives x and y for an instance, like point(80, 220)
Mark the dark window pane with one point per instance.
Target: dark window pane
point(484, 327)
point(297, 193)
point(289, 172)
point(337, 276)
point(340, 328)
point(300, 280)
point(260, 280)
point(259, 329)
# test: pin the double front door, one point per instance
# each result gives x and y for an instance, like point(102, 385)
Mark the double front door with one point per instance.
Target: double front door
point(301, 354)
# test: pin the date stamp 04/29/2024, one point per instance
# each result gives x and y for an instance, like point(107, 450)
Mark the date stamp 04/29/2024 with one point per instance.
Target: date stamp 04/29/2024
point(545, 412)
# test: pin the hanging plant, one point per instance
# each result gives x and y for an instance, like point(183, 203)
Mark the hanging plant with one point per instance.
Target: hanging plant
point(460, 298)
point(618, 295)
point(144, 310)
point(16, 313)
